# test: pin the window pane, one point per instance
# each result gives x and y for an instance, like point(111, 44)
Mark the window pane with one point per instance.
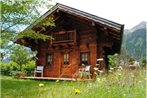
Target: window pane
point(66, 58)
point(84, 58)
point(49, 59)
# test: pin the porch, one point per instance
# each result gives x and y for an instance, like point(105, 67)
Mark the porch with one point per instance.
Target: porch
point(55, 78)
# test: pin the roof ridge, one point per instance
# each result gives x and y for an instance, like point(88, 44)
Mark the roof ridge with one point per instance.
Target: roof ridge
point(93, 16)
point(78, 12)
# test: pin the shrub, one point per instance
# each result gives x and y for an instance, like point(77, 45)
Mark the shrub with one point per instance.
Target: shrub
point(29, 68)
point(12, 68)
point(17, 74)
point(6, 68)
point(114, 60)
point(131, 60)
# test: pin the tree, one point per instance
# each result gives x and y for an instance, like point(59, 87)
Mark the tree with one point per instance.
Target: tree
point(21, 55)
point(16, 15)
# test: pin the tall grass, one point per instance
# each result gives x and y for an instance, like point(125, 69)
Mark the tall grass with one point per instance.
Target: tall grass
point(118, 84)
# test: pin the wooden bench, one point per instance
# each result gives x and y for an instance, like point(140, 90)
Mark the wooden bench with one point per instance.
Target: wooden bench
point(38, 69)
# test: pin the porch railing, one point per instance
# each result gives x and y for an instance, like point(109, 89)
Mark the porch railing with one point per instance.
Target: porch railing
point(64, 36)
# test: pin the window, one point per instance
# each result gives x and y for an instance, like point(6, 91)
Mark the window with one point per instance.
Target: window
point(66, 58)
point(49, 59)
point(84, 58)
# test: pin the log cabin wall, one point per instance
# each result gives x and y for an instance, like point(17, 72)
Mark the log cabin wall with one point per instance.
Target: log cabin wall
point(53, 70)
point(89, 39)
point(88, 44)
point(86, 39)
point(41, 54)
point(85, 42)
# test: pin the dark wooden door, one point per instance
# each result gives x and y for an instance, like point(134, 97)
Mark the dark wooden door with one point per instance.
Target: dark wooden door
point(66, 68)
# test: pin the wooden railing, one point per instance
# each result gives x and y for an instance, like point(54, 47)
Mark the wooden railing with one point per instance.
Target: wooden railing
point(64, 36)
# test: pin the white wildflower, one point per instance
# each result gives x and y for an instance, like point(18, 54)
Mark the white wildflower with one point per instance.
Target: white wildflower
point(120, 67)
point(110, 71)
point(119, 74)
point(98, 79)
point(111, 68)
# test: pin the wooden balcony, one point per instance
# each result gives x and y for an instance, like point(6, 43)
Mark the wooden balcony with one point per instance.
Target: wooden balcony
point(64, 37)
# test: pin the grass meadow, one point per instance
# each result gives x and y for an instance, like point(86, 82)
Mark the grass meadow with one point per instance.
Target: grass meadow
point(118, 84)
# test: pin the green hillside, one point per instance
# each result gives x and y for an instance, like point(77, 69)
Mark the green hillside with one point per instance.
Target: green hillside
point(135, 43)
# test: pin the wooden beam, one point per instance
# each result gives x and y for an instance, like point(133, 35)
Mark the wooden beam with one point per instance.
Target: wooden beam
point(115, 37)
point(114, 34)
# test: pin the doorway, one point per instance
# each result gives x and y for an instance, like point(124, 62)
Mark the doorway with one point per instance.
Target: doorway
point(66, 68)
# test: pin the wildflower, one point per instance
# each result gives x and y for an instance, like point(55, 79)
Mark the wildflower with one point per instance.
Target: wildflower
point(119, 70)
point(120, 67)
point(77, 91)
point(119, 83)
point(103, 79)
point(111, 68)
point(98, 79)
point(139, 81)
point(132, 75)
point(90, 85)
point(74, 79)
point(110, 71)
point(119, 74)
point(124, 94)
point(108, 83)
point(41, 84)
point(57, 80)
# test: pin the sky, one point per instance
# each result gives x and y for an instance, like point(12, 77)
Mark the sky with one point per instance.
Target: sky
point(127, 12)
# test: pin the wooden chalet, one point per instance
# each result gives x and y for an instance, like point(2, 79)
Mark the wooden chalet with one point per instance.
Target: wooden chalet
point(79, 38)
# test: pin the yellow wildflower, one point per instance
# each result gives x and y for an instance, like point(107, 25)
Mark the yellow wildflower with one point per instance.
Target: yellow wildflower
point(41, 84)
point(57, 80)
point(77, 91)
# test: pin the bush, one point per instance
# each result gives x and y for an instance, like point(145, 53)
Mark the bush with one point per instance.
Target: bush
point(17, 74)
point(29, 68)
point(131, 60)
point(114, 60)
point(6, 68)
point(12, 68)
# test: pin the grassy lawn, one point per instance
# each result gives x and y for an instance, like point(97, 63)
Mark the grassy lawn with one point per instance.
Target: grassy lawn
point(118, 84)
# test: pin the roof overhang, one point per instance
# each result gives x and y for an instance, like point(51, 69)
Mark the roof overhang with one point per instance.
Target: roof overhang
point(73, 11)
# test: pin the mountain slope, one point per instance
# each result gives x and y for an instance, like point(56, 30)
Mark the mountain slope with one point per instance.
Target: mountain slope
point(141, 25)
point(135, 41)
